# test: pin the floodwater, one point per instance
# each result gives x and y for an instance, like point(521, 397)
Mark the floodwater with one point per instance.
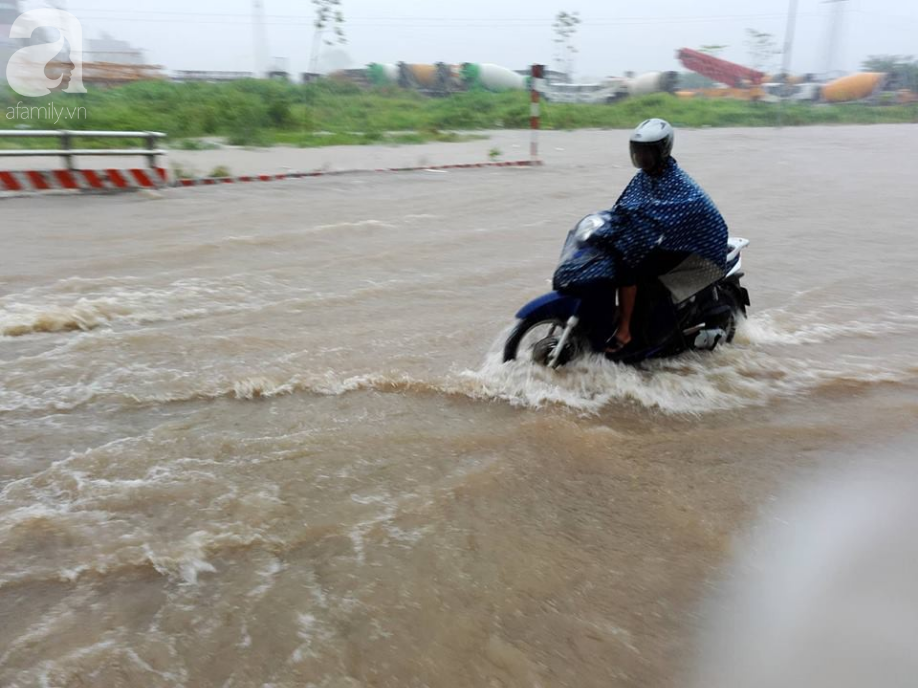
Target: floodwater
point(261, 435)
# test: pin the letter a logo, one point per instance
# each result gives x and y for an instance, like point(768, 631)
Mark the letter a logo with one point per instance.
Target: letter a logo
point(26, 71)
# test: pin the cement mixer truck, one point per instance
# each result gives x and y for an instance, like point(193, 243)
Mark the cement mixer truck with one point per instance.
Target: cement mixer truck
point(442, 78)
point(492, 77)
point(653, 82)
point(853, 87)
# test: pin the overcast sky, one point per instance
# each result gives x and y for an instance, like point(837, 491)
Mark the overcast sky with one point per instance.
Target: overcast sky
point(615, 36)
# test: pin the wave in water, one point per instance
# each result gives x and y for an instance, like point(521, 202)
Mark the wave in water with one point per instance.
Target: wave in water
point(55, 309)
point(777, 327)
point(770, 359)
point(289, 237)
point(748, 373)
point(50, 310)
point(110, 509)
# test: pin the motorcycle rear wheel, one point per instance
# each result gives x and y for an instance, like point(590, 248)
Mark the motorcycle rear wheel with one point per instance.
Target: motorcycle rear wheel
point(737, 314)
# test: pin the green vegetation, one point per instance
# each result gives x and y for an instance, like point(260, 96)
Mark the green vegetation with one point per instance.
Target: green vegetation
point(902, 69)
point(259, 113)
point(349, 138)
point(701, 112)
point(183, 173)
point(194, 145)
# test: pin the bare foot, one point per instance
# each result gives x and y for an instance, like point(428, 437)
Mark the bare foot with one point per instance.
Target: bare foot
point(621, 340)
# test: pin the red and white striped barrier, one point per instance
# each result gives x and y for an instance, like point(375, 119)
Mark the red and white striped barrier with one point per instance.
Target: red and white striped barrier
point(84, 180)
point(157, 178)
point(213, 181)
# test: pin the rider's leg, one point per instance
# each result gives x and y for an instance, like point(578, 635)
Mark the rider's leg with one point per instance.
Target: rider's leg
point(626, 299)
point(627, 295)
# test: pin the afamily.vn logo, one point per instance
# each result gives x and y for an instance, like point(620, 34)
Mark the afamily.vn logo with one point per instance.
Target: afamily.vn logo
point(45, 113)
point(47, 66)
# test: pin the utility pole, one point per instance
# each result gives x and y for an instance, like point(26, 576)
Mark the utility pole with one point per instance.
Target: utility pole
point(786, 61)
point(789, 38)
point(835, 29)
point(328, 17)
point(314, 51)
point(261, 39)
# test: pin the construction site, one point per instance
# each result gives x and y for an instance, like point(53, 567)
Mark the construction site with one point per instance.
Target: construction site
point(109, 62)
point(728, 80)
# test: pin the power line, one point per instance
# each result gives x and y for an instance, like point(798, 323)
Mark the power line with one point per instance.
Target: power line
point(223, 18)
point(125, 13)
point(892, 17)
point(414, 22)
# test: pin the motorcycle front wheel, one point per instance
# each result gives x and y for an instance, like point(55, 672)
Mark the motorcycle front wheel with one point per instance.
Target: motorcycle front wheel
point(537, 341)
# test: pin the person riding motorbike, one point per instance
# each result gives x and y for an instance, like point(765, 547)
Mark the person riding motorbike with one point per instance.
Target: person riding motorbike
point(663, 223)
point(662, 250)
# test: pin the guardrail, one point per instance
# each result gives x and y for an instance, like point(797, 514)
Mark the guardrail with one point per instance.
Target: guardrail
point(67, 152)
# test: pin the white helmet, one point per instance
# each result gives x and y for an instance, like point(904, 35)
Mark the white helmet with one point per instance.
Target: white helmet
point(652, 143)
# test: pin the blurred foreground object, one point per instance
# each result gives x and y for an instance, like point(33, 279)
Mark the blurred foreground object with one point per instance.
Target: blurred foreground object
point(824, 593)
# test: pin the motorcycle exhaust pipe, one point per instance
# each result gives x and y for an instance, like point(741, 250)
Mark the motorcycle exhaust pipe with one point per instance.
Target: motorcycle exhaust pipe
point(707, 340)
point(694, 330)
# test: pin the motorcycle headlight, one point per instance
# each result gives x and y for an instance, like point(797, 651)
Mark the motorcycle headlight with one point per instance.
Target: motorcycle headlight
point(587, 226)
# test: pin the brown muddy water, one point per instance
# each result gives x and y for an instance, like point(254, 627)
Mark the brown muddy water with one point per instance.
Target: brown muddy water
point(261, 435)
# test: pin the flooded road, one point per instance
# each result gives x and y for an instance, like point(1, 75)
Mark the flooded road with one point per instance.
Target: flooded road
point(261, 435)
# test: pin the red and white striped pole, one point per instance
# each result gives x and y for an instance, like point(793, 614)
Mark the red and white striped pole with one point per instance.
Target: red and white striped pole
point(536, 86)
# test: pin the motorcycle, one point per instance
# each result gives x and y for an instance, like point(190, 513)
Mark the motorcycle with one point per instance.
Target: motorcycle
point(670, 316)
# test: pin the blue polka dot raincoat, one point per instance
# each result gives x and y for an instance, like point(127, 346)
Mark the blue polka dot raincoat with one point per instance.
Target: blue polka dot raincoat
point(670, 212)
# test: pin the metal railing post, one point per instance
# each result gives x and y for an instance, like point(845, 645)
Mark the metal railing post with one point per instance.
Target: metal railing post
point(66, 141)
point(151, 146)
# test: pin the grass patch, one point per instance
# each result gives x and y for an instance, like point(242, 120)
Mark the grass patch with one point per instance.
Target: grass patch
point(319, 139)
point(700, 112)
point(180, 172)
point(194, 145)
point(264, 113)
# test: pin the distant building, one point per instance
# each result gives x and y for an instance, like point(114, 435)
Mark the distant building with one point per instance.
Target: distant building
point(210, 76)
point(9, 11)
point(112, 51)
